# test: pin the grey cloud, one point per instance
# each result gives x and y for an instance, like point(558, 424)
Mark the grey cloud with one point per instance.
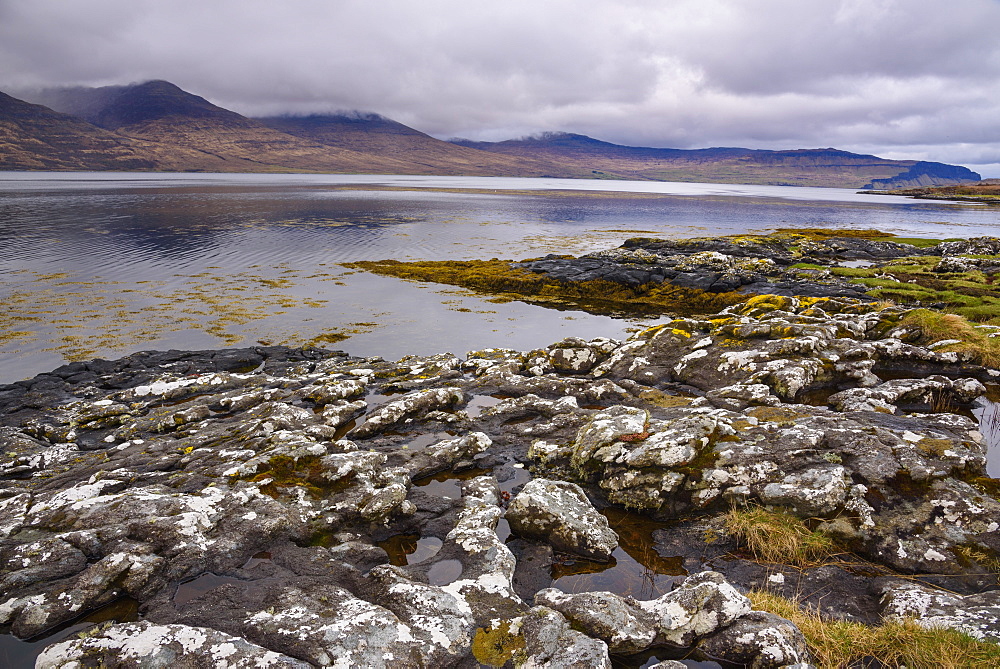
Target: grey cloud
point(884, 74)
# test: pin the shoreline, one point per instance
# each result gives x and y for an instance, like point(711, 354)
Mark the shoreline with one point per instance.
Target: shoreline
point(284, 501)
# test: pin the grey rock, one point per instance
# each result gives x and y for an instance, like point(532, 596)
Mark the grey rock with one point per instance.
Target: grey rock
point(560, 513)
point(759, 640)
point(702, 604)
point(411, 405)
point(551, 642)
point(617, 621)
point(150, 646)
point(977, 615)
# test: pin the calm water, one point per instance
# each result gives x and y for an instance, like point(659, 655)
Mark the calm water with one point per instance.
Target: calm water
point(102, 264)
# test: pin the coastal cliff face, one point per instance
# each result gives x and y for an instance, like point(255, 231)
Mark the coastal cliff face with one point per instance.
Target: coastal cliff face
point(157, 126)
point(301, 507)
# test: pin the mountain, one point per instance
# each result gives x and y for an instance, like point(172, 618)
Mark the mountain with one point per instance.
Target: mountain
point(802, 167)
point(33, 137)
point(376, 134)
point(158, 126)
point(182, 131)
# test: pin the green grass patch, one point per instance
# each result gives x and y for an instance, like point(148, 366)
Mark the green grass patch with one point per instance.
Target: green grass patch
point(972, 295)
point(935, 326)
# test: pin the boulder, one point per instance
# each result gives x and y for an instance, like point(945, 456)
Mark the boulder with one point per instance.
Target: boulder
point(560, 513)
point(758, 640)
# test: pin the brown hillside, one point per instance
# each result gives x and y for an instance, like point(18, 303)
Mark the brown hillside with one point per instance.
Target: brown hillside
point(33, 137)
point(375, 134)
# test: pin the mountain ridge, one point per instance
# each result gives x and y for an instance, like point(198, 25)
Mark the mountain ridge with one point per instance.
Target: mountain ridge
point(156, 125)
point(801, 166)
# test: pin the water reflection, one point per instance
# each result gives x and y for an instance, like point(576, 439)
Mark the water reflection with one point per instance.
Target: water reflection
point(16, 652)
point(987, 412)
point(99, 264)
point(635, 567)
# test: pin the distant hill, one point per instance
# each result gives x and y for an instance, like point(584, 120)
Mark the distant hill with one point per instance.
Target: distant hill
point(33, 137)
point(376, 134)
point(802, 167)
point(158, 126)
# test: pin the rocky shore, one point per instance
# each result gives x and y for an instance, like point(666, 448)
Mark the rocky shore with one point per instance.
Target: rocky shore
point(276, 507)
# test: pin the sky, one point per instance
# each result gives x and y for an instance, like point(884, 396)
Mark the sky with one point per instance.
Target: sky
point(902, 79)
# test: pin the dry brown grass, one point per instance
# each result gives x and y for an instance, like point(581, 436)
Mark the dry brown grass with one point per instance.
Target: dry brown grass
point(776, 536)
point(835, 644)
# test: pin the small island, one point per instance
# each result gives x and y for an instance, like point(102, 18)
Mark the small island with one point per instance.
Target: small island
point(987, 190)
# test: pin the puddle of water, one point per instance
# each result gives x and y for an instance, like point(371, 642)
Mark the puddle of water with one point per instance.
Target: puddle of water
point(987, 412)
point(856, 264)
point(344, 429)
point(257, 559)
point(200, 585)
point(816, 397)
point(16, 652)
point(422, 441)
point(480, 402)
point(520, 477)
point(444, 572)
point(404, 549)
point(635, 567)
point(503, 530)
point(448, 484)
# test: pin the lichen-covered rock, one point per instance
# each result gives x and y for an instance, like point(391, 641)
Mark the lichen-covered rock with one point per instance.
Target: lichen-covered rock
point(550, 641)
point(444, 454)
point(607, 427)
point(409, 406)
point(618, 621)
point(814, 492)
point(739, 396)
point(576, 356)
point(487, 564)
point(759, 640)
point(560, 513)
point(700, 605)
point(886, 397)
point(149, 646)
point(435, 616)
point(334, 626)
point(977, 615)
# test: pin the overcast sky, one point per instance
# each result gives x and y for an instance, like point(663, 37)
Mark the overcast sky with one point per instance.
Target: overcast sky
point(898, 78)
